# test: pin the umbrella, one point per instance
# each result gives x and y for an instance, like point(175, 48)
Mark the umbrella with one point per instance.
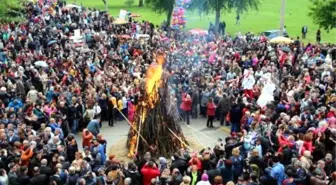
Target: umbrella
point(198, 31)
point(125, 36)
point(120, 21)
point(281, 40)
point(51, 42)
point(41, 63)
point(286, 49)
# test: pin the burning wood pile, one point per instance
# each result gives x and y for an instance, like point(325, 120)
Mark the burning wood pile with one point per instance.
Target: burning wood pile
point(155, 127)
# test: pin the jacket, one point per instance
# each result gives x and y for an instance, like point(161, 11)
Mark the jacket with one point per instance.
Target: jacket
point(278, 172)
point(93, 127)
point(87, 137)
point(40, 179)
point(211, 109)
point(26, 156)
point(224, 105)
point(149, 173)
point(186, 104)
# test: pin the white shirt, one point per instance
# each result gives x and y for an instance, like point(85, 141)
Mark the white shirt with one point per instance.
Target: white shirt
point(124, 101)
point(96, 109)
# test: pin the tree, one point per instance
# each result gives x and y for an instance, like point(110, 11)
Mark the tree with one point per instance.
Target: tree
point(141, 3)
point(219, 6)
point(162, 6)
point(11, 10)
point(323, 13)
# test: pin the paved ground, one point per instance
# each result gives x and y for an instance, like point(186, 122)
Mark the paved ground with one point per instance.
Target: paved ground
point(206, 137)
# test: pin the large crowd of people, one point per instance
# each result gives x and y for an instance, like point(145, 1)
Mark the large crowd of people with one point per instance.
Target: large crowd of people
point(278, 99)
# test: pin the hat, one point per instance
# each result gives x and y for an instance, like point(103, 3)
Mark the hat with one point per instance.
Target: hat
point(205, 177)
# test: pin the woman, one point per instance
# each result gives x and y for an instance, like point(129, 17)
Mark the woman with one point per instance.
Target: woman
point(211, 112)
point(87, 137)
point(237, 163)
point(186, 107)
point(88, 115)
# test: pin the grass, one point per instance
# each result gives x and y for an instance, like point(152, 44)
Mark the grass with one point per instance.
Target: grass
point(266, 18)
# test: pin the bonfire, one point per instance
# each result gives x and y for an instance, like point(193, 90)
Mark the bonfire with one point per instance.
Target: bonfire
point(156, 123)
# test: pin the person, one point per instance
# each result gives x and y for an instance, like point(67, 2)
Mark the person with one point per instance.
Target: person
point(204, 180)
point(318, 36)
point(224, 107)
point(238, 19)
point(304, 31)
point(195, 102)
point(277, 171)
point(3, 177)
point(186, 107)
point(149, 172)
point(94, 126)
point(211, 107)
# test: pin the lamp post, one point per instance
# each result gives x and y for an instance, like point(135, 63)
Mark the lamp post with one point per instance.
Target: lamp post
point(282, 17)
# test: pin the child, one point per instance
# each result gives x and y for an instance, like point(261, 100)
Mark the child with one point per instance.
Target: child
point(211, 112)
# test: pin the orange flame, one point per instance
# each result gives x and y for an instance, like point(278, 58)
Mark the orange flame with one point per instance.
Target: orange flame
point(153, 79)
point(153, 83)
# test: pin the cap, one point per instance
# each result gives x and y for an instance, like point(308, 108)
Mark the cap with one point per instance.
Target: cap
point(205, 177)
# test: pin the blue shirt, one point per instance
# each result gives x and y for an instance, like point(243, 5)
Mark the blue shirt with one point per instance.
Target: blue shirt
point(278, 172)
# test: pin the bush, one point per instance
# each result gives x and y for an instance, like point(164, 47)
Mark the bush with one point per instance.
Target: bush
point(129, 2)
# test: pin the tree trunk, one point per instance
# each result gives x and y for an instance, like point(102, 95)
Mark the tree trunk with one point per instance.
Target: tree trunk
point(218, 14)
point(169, 15)
point(141, 3)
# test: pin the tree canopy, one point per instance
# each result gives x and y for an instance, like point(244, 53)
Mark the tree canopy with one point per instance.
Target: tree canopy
point(219, 6)
point(11, 10)
point(323, 13)
point(162, 6)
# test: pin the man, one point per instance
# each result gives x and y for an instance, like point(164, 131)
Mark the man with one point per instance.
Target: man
point(224, 106)
point(44, 169)
point(330, 165)
point(277, 171)
point(304, 31)
point(12, 175)
point(38, 179)
point(12, 138)
point(300, 175)
point(100, 150)
point(94, 126)
point(149, 172)
point(195, 102)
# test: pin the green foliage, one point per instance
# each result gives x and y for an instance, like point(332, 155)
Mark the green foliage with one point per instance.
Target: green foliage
point(162, 6)
point(209, 6)
point(323, 13)
point(242, 6)
point(129, 2)
point(11, 10)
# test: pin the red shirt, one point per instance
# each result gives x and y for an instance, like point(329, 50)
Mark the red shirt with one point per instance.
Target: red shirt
point(211, 109)
point(149, 174)
point(186, 104)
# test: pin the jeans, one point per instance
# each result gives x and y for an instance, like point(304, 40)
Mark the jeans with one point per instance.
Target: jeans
point(186, 116)
point(222, 116)
point(74, 126)
point(235, 127)
point(194, 111)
